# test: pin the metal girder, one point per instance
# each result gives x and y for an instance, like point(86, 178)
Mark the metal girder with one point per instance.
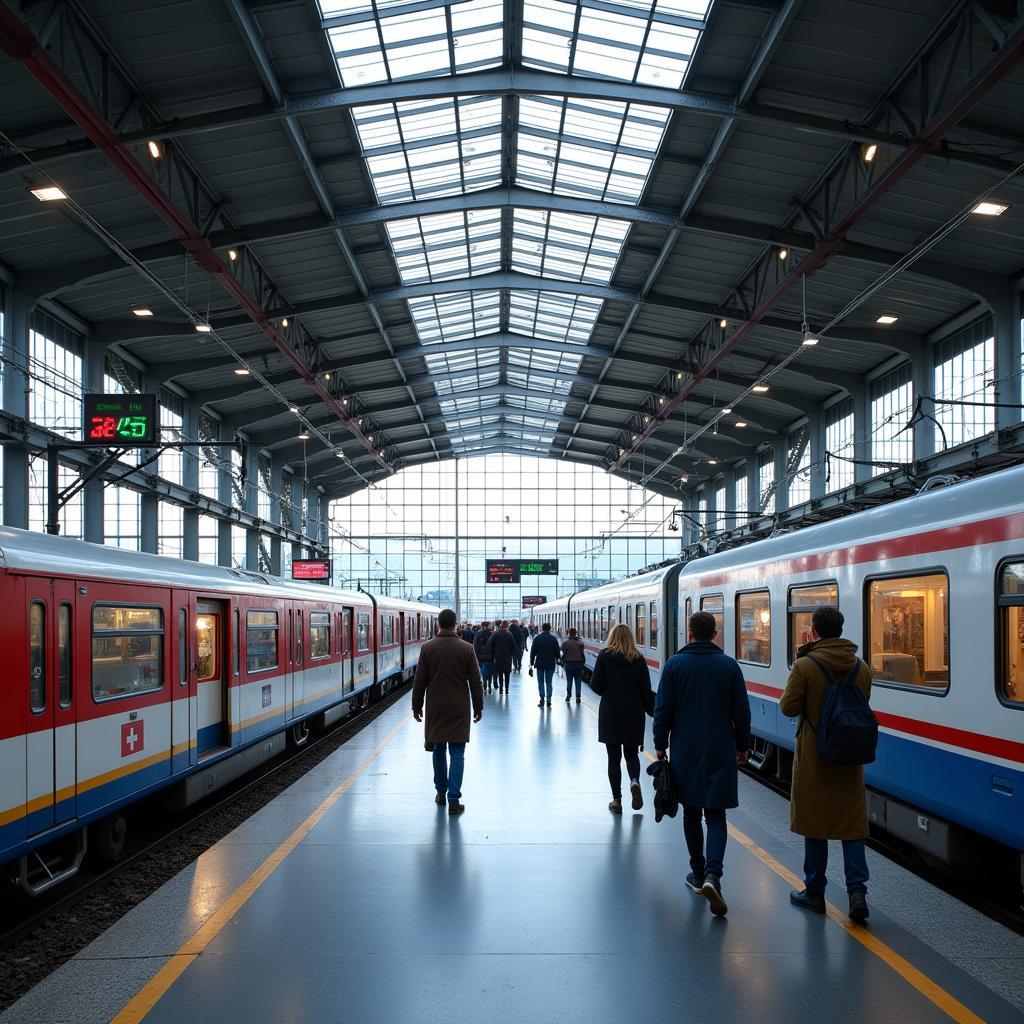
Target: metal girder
point(515, 81)
point(762, 294)
point(505, 279)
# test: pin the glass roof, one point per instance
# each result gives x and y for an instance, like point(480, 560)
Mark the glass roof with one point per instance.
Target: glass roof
point(563, 145)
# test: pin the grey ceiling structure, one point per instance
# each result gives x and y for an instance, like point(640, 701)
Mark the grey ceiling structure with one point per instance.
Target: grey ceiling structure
point(449, 227)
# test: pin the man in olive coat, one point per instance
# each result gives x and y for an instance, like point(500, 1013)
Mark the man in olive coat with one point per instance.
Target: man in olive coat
point(827, 801)
point(448, 675)
point(703, 706)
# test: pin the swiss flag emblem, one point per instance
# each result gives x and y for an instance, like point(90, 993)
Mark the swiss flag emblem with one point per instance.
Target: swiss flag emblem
point(133, 738)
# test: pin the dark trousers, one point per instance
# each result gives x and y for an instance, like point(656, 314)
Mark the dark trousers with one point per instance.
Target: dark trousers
point(616, 752)
point(703, 862)
point(855, 864)
point(573, 674)
point(501, 678)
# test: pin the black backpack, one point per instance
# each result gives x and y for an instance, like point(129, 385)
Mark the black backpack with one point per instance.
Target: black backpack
point(848, 729)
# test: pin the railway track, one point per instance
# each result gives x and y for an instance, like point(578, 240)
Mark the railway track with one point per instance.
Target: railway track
point(998, 897)
point(38, 936)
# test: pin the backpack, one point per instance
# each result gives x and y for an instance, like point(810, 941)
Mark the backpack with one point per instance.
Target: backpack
point(848, 729)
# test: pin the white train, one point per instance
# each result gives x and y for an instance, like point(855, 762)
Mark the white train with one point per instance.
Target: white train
point(128, 673)
point(932, 588)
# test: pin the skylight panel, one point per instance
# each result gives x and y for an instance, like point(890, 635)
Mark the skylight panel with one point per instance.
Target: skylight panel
point(446, 245)
point(419, 40)
point(553, 315)
point(426, 148)
point(441, 318)
point(568, 246)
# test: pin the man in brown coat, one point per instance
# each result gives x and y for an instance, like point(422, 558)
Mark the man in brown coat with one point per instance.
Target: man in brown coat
point(827, 800)
point(448, 675)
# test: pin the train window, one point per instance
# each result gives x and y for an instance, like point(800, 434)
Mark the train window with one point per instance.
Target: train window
point(346, 632)
point(362, 632)
point(64, 654)
point(802, 602)
point(714, 604)
point(236, 657)
point(127, 651)
point(207, 646)
point(1011, 625)
point(319, 635)
point(603, 635)
point(688, 611)
point(654, 624)
point(385, 630)
point(754, 627)
point(261, 629)
point(299, 635)
point(908, 630)
point(641, 626)
point(611, 620)
point(37, 656)
point(183, 646)
point(629, 616)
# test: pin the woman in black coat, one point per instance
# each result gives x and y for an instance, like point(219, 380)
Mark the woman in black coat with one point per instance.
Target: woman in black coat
point(503, 651)
point(623, 683)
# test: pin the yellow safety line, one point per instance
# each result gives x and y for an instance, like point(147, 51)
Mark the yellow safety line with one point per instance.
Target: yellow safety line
point(933, 992)
point(155, 989)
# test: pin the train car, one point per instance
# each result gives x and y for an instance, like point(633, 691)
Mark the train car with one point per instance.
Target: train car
point(128, 673)
point(932, 589)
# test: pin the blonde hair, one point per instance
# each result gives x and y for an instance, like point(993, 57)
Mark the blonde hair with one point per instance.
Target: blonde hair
point(620, 641)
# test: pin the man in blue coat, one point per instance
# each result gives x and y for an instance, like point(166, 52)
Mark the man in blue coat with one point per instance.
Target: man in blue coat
point(702, 717)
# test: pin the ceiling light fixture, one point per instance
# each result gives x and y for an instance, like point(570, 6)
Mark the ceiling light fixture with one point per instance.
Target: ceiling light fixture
point(869, 152)
point(726, 409)
point(48, 193)
point(986, 208)
point(284, 321)
point(304, 435)
point(760, 388)
point(142, 311)
point(741, 424)
point(723, 324)
point(327, 376)
point(684, 478)
point(810, 339)
point(712, 462)
point(887, 318)
point(156, 148)
point(294, 409)
point(203, 328)
point(783, 255)
point(339, 455)
point(242, 371)
point(232, 255)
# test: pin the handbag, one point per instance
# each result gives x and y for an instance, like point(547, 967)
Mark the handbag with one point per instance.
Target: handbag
point(531, 671)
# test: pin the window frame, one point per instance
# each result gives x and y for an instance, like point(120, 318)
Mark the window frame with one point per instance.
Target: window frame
point(792, 609)
point(68, 652)
point(217, 654)
point(44, 636)
point(720, 596)
point(640, 613)
point(161, 633)
point(1000, 633)
point(361, 619)
point(653, 624)
point(736, 631)
point(319, 625)
point(276, 612)
point(926, 691)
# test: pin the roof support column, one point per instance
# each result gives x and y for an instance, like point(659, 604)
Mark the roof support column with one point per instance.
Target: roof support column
point(729, 522)
point(861, 432)
point(816, 443)
point(780, 455)
point(923, 377)
point(190, 481)
point(1008, 313)
point(94, 365)
point(275, 514)
point(689, 533)
point(250, 501)
point(16, 392)
point(225, 496)
point(149, 504)
point(323, 535)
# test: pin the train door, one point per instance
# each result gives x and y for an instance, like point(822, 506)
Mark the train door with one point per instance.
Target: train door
point(183, 713)
point(51, 754)
point(296, 636)
point(347, 651)
point(210, 676)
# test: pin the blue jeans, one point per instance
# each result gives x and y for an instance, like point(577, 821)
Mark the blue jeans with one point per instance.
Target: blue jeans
point(485, 671)
point(544, 677)
point(855, 864)
point(573, 674)
point(693, 830)
point(445, 779)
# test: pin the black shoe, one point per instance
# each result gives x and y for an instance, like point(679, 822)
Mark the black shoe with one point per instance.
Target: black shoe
point(540, 703)
point(439, 799)
point(567, 699)
point(638, 797)
point(859, 907)
point(549, 703)
point(808, 900)
point(695, 883)
point(454, 809)
point(578, 701)
point(712, 890)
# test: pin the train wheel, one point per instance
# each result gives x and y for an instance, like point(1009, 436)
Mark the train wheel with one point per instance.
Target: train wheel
point(107, 838)
point(299, 734)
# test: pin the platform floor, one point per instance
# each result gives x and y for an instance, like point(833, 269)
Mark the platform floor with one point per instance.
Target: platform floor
point(353, 897)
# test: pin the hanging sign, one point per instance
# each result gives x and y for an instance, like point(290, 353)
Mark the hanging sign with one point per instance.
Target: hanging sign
point(120, 421)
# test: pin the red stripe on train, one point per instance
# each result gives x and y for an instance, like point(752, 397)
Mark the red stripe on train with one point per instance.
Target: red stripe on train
point(993, 746)
point(966, 535)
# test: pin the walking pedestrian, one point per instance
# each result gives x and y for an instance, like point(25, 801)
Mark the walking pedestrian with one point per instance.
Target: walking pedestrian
point(622, 681)
point(573, 659)
point(483, 646)
point(448, 676)
point(544, 657)
point(827, 800)
point(702, 716)
point(503, 648)
point(519, 635)
point(469, 633)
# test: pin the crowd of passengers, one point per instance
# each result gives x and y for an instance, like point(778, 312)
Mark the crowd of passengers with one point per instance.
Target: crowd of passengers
point(701, 732)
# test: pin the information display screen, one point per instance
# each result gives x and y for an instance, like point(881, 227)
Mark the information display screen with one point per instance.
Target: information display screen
point(513, 569)
point(120, 420)
point(311, 569)
point(533, 600)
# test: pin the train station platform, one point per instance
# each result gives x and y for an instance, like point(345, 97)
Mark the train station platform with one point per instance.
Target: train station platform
point(353, 897)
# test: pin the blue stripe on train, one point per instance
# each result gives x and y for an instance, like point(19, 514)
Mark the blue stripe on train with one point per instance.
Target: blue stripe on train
point(984, 797)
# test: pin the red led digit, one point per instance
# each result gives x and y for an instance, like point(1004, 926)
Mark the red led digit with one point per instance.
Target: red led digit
point(103, 428)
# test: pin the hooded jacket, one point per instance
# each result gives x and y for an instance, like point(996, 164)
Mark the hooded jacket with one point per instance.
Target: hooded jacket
point(483, 645)
point(827, 801)
point(702, 705)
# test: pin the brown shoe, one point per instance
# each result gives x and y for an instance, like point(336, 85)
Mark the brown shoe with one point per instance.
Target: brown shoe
point(615, 806)
point(439, 799)
point(454, 809)
point(638, 797)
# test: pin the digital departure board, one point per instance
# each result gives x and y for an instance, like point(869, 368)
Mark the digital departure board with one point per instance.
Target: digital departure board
point(120, 420)
point(311, 569)
point(513, 569)
point(534, 600)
